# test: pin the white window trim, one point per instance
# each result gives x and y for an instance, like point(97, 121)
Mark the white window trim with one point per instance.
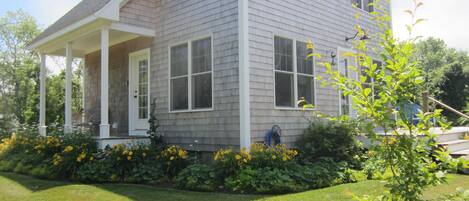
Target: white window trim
point(190, 75)
point(339, 50)
point(362, 7)
point(295, 77)
point(132, 55)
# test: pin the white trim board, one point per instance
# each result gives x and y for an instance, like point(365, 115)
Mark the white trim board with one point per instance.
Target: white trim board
point(244, 74)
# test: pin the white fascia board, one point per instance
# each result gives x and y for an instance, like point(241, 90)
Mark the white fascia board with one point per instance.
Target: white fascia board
point(63, 31)
point(109, 12)
point(133, 29)
point(244, 82)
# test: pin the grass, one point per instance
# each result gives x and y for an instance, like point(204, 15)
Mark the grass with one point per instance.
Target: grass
point(24, 188)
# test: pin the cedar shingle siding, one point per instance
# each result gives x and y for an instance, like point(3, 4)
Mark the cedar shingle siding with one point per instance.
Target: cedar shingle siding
point(326, 23)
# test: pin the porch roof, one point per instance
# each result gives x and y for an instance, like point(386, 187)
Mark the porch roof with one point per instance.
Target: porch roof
point(82, 10)
point(82, 25)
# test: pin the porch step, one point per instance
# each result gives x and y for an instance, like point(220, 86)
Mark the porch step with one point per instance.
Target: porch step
point(461, 154)
point(455, 145)
point(453, 134)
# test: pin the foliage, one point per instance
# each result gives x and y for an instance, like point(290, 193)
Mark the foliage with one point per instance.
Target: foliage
point(174, 159)
point(155, 138)
point(19, 78)
point(460, 195)
point(198, 177)
point(45, 157)
point(405, 148)
point(332, 139)
point(19, 75)
point(264, 180)
point(446, 72)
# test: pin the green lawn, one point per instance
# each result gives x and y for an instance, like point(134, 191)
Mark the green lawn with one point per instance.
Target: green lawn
point(17, 187)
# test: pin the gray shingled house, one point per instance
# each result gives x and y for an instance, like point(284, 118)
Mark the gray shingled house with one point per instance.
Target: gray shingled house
point(222, 72)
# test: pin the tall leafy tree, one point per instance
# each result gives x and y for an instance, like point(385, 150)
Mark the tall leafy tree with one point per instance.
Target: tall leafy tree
point(446, 71)
point(19, 67)
point(19, 77)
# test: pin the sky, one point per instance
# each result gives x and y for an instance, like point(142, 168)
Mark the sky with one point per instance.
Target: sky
point(446, 19)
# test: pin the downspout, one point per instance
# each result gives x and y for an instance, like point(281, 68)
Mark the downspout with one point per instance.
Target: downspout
point(244, 85)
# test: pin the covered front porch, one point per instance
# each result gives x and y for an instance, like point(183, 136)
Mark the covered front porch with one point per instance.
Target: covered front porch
point(99, 41)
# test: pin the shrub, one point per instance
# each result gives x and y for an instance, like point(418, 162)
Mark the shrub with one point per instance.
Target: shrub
point(174, 159)
point(336, 140)
point(95, 172)
point(264, 180)
point(147, 172)
point(198, 177)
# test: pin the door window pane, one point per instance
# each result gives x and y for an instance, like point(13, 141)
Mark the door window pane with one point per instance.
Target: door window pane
point(306, 88)
point(283, 54)
point(284, 89)
point(202, 55)
point(179, 96)
point(202, 91)
point(143, 89)
point(179, 60)
point(305, 64)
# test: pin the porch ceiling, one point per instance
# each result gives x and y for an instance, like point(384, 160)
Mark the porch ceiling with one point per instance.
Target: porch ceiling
point(87, 39)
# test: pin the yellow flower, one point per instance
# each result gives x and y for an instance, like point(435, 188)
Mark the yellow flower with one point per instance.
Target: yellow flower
point(284, 158)
point(91, 158)
point(129, 158)
point(81, 157)
point(171, 158)
point(274, 157)
point(131, 153)
point(68, 149)
point(237, 157)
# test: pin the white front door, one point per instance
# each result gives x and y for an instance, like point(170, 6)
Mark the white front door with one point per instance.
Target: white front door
point(139, 92)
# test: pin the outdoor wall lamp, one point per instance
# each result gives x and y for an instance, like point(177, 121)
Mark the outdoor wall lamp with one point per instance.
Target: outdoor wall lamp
point(355, 37)
point(333, 56)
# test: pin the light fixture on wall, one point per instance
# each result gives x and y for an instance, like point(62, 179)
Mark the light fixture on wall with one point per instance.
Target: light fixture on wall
point(357, 37)
point(333, 56)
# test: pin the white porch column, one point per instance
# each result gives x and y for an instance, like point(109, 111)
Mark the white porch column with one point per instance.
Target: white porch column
point(68, 88)
point(104, 127)
point(42, 97)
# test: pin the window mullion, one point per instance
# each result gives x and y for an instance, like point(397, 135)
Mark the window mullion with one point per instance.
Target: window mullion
point(189, 75)
point(295, 75)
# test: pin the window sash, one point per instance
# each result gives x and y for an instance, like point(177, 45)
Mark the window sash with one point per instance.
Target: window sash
point(296, 52)
point(198, 51)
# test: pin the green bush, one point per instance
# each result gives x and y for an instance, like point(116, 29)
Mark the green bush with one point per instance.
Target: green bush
point(264, 181)
point(147, 172)
point(198, 177)
point(336, 140)
point(95, 172)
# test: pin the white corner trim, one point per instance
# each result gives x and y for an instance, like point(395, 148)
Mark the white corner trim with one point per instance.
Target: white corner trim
point(244, 85)
point(133, 29)
point(110, 11)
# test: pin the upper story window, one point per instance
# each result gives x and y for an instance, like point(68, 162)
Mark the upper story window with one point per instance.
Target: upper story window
point(294, 73)
point(191, 75)
point(366, 5)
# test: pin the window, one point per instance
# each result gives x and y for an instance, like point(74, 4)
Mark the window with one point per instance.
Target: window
point(191, 75)
point(143, 89)
point(366, 5)
point(345, 100)
point(294, 73)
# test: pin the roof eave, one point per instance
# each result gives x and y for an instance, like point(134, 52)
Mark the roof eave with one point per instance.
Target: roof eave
point(109, 12)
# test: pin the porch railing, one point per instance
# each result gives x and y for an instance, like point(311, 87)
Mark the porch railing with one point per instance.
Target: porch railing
point(425, 105)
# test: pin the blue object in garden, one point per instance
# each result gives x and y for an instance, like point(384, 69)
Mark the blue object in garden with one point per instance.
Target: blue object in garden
point(272, 137)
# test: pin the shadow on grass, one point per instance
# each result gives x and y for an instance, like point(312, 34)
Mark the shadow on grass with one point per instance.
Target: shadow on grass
point(32, 184)
point(129, 191)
